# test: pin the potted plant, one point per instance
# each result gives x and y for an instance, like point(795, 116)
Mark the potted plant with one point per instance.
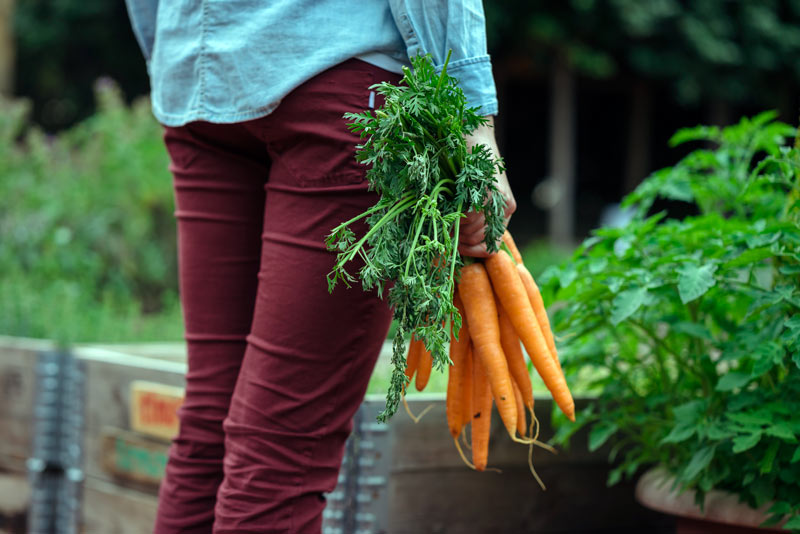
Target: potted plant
point(687, 329)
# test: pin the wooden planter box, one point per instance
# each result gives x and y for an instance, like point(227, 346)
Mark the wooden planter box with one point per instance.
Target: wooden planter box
point(427, 487)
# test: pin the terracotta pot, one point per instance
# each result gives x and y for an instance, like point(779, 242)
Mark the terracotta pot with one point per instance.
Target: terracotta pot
point(723, 513)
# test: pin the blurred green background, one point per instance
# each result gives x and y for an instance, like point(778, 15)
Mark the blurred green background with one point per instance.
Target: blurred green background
point(589, 93)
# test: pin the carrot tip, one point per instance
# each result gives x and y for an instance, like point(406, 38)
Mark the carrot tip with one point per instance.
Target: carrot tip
point(530, 465)
point(464, 438)
point(415, 418)
point(463, 456)
point(544, 446)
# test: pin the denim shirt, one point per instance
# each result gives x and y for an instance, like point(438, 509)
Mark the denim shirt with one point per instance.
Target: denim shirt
point(228, 61)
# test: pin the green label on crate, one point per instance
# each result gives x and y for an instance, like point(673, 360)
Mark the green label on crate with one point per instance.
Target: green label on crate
point(138, 460)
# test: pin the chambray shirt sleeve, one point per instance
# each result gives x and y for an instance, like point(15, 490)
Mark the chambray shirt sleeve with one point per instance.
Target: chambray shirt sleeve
point(143, 21)
point(436, 26)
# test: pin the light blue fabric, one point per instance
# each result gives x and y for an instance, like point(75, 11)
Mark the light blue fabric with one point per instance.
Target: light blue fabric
point(227, 61)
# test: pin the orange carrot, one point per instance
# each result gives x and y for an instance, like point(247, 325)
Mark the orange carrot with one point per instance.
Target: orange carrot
point(521, 429)
point(466, 388)
point(455, 380)
point(537, 303)
point(511, 292)
point(481, 415)
point(516, 361)
point(424, 368)
point(475, 291)
point(509, 241)
point(412, 358)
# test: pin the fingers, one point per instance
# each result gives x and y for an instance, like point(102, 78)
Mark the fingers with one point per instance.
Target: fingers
point(475, 251)
point(472, 228)
point(511, 206)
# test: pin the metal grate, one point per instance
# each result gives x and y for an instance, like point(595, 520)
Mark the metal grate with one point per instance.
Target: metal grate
point(359, 504)
point(55, 468)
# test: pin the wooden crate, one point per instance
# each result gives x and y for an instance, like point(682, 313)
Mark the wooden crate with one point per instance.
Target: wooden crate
point(432, 491)
point(17, 393)
point(429, 489)
point(123, 466)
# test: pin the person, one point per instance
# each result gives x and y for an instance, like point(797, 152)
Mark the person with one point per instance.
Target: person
point(251, 96)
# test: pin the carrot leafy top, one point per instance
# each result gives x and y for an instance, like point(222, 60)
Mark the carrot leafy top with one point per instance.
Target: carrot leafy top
point(427, 180)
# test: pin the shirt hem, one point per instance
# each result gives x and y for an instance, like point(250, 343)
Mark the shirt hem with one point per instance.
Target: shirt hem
point(180, 119)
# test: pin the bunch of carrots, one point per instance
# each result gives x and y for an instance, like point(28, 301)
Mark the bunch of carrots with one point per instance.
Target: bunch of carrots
point(500, 305)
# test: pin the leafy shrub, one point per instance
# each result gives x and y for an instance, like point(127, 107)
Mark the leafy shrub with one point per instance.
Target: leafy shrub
point(690, 328)
point(86, 226)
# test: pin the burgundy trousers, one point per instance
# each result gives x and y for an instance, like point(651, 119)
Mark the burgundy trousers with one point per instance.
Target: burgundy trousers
point(277, 365)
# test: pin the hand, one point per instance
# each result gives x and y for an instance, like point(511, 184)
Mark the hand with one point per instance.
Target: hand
point(472, 229)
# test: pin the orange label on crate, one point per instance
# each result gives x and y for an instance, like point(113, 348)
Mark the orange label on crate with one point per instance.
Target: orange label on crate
point(154, 408)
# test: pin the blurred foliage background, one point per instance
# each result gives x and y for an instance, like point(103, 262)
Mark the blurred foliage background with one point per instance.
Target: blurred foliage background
point(87, 237)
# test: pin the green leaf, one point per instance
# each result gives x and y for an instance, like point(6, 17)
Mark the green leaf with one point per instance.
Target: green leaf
point(614, 476)
point(694, 280)
point(597, 265)
point(743, 443)
point(763, 490)
point(567, 275)
point(699, 461)
point(754, 419)
point(760, 240)
point(690, 411)
point(780, 508)
point(622, 245)
point(733, 380)
point(679, 433)
point(793, 523)
point(719, 432)
point(796, 456)
point(790, 270)
point(782, 431)
point(750, 256)
point(692, 329)
point(626, 303)
point(768, 461)
point(677, 188)
point(793, 323)
point(767, 356)
point(614, 283)
point(599, 435)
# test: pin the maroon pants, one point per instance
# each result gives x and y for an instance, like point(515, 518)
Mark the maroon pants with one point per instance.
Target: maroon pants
point(277, 365)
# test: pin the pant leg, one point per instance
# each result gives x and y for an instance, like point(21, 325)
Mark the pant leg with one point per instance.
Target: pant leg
point(219, 176)
point(310, 353)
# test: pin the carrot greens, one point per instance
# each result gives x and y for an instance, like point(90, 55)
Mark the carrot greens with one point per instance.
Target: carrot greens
point(427, 180)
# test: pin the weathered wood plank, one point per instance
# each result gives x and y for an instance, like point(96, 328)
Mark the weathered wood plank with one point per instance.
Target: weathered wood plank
point(15, 496)
point(18, 357)
point(111, 509)
point(464, 502)
point(109, 379)
point(109, 375)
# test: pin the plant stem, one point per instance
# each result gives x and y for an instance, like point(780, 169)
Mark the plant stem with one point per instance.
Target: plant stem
point(678, 359)
point(399, 207)
point(455, 245)
point(370, 211)
point(444, 72)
